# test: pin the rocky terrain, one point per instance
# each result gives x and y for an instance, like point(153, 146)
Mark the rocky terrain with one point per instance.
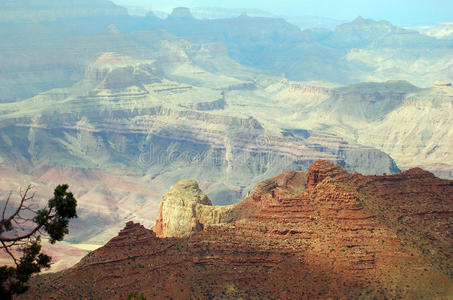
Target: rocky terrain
point(411, 124)
point(135, 126)
point(324, 233)
point(440, 31)
point(361, 50)
point(122, 107)
point(185, 209)
point(146, 123)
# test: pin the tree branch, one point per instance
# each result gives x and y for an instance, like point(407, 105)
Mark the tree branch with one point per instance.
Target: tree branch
point(6, 205)
point(25, 236)
point(5, 247)
point(19, 208)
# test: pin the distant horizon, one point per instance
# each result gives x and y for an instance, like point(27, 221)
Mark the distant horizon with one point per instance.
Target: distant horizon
point(400, 12)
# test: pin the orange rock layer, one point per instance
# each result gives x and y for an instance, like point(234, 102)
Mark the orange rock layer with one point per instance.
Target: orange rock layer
point(322, 235)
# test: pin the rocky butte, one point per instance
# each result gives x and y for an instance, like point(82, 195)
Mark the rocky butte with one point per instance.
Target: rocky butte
point(322, 233)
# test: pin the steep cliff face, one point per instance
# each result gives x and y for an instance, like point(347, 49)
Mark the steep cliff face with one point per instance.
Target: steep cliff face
point(328, 240)
point(368, 101)
point(181, 13)
point(112, 71)
point(411, 124)
point(417, 133)
point(319, 171)
point(152, 122)
point(185, 210)
point(442, 30)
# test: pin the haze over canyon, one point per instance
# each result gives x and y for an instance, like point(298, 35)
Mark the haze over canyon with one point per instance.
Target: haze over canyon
point(180, 122)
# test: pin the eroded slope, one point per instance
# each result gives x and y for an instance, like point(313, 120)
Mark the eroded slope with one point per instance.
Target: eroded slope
point(335, 238)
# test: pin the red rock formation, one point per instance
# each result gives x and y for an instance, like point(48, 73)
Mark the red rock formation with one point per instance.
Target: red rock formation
point(344, 236)
point(321, 169)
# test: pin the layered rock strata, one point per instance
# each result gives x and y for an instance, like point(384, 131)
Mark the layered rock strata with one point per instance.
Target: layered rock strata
point(185, 209)
point(325, 234)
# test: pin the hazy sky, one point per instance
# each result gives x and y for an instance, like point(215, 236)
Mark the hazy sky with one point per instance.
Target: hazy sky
point(406, 12)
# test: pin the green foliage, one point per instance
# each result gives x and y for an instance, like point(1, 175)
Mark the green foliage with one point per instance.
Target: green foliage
point(13, 280)
point(7, 226)
point(54, 220)
point(64, 204)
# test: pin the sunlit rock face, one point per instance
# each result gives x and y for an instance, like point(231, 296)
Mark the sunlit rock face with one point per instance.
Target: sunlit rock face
point(323, 233)
point(122, 108)
point(409, 123)
point(134, 127)
point(185, 210)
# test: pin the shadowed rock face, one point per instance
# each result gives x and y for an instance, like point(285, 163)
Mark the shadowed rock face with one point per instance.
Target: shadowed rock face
point(411, 124)
point(181, 12)
point(186, 210)
point(126, 117)
point(368, 101)
point(353, 52)
point(345, 235)
point(320, 170)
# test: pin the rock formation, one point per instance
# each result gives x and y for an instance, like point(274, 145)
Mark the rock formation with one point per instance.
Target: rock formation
point(411, 124)
point(181, 13)
point(320, 170)
point(442, 30)
point(316, 235)
point(166, 99)
point(185, 210)
point(147, 123)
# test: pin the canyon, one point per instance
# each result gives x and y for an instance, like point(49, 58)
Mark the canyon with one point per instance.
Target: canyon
point(123, 107)
point(145, 123)
point(320, 233)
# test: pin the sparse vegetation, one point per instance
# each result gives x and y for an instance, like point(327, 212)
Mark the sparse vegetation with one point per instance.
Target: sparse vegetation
point(21, 229)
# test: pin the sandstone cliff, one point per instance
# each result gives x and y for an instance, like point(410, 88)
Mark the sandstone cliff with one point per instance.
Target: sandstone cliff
point(185, 210)
point(325, 234)
point(150, 122)
point(411, 124)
